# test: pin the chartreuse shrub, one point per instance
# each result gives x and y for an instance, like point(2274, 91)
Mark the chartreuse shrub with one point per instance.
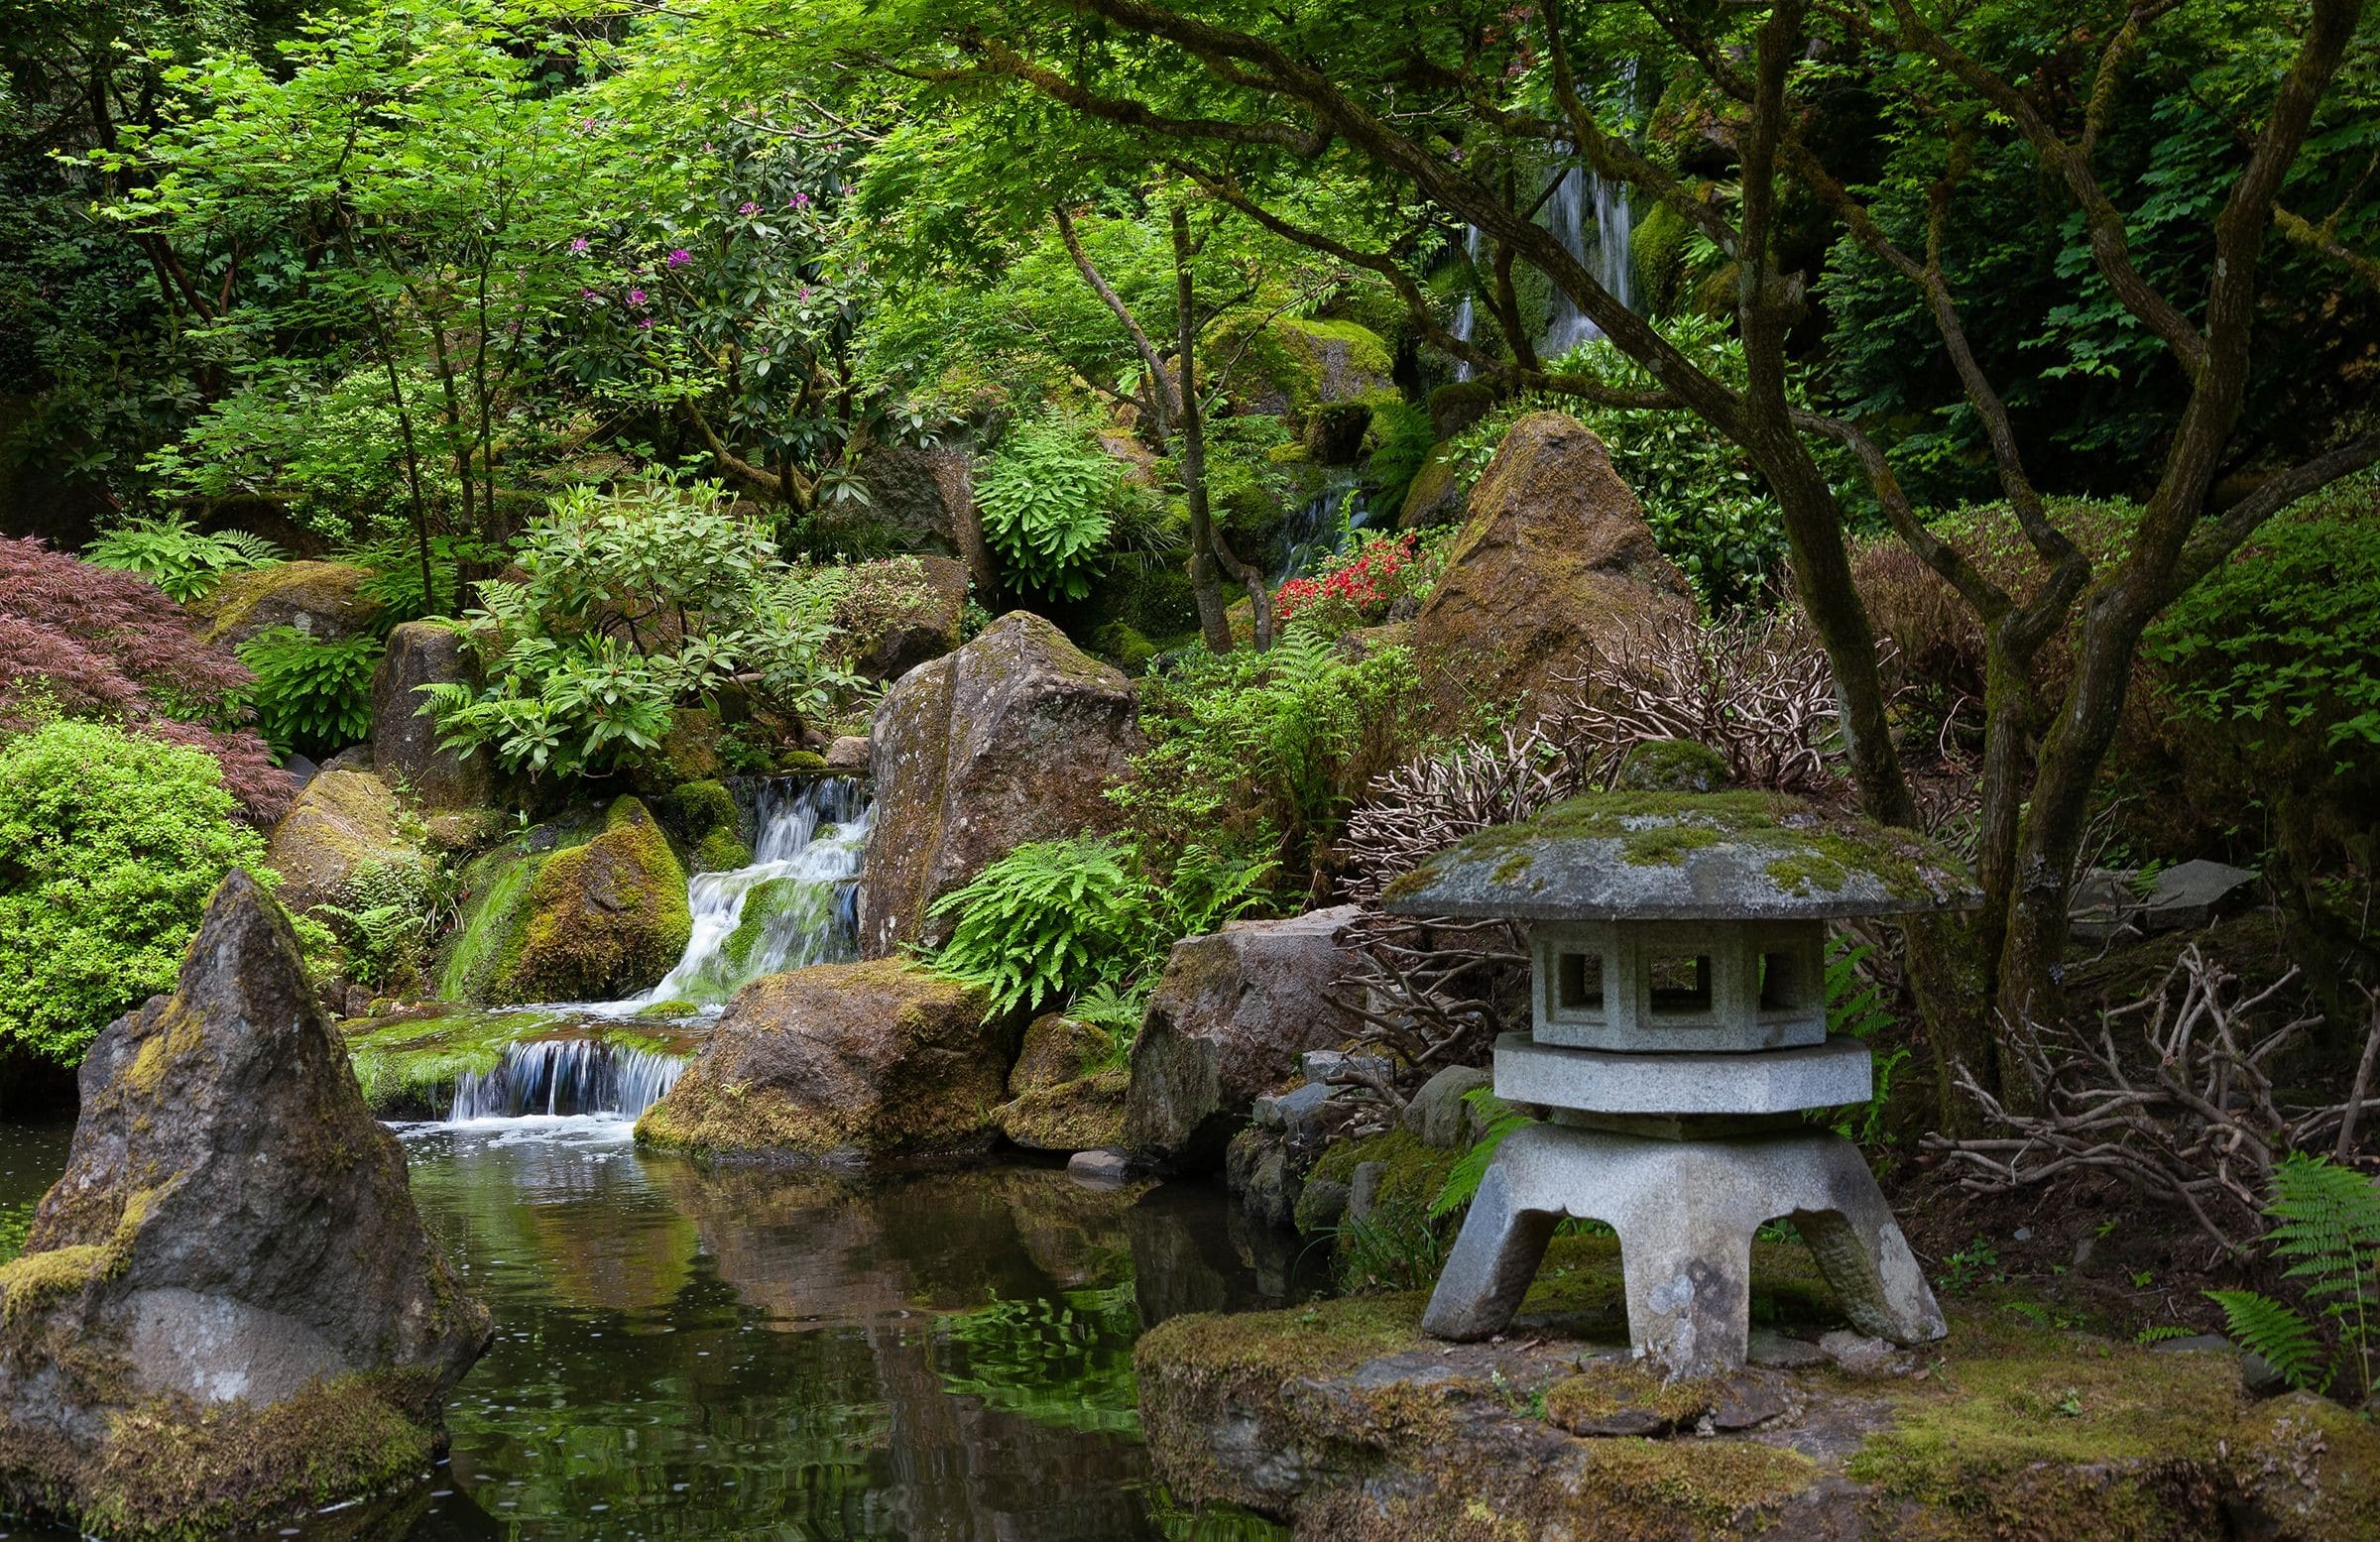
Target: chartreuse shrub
point(2327, 1227)
point(109, 845)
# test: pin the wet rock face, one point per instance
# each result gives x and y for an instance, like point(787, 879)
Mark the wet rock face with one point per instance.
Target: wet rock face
point(1012, 738)
point(1231, 1016)
point(840, 1065)
point(1554, 559)
point(228, 1307)
point(404, 744)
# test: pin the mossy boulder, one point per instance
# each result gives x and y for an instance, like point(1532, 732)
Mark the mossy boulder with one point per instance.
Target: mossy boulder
point(405, 741)
point(1013, 738)
point(708, 826)
point(1229, 1019)
point(1055, 1049)
point(342, 823)
point(1434, 497)
point(894, 614)
point(1296, 366)
point(1342, 1418)
point(1673, 765)
point(1555, 559)
point(563, 915)
point(1084, 1113)
point(841, 1066)
point(228, 1313)
point(320, 599)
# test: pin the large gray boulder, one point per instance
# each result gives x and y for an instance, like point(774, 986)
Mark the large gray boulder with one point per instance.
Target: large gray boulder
point(924, 494)
point(841, 1066)
point(1231, 1016)
point(343, 823)
point(405, 743)
point(229, 1311)
point(1012, 738)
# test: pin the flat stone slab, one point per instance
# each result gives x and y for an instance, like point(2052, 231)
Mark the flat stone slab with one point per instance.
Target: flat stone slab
point(1605, 1081)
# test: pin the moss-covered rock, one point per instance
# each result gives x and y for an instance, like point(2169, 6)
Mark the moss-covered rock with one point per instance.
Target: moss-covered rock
point(1411, 1173)
point(1674, 765)
point(841, 1066)
point(707, 824)
point(1056, 1048)
point(321, 599)
point(404, 1064)
point(1085, 1113)
point(343, 821)
point(1554, 558)
point(1434, 496)
point(894, 614)
point(569, 914)
point(1342, 1418)
point(228, 1312)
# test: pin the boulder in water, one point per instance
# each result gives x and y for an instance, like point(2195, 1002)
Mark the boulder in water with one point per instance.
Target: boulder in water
point(1231, 1016)
point(1554, 559)
point(840, 1065)
point(229, 1311)
point(1012, 738)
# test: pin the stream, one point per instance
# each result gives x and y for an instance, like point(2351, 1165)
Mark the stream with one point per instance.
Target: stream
point(692, 1352)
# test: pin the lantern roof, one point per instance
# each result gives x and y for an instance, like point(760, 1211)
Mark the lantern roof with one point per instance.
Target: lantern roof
point(1687, 856)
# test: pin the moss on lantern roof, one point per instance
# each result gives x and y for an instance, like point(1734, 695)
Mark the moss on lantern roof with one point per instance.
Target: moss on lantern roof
point(1739, 856)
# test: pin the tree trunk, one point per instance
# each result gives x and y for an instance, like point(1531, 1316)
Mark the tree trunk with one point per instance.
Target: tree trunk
point(1213, 625)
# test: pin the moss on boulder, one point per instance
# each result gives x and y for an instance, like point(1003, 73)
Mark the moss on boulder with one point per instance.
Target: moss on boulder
point(1082, 1115)
point(567, 914)
point(1342, 1419)
point(708, 826)
point(321, 599)
point(841, 1066)
point(343, 821)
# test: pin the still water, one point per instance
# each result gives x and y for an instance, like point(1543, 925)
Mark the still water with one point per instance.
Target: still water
point(684, 1352)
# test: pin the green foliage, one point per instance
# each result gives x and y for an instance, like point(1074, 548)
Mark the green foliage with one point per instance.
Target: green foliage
point(312, 695)
point(1400, 1245)
point(635, 603)
point(1267, 749)
point(2282, 644)
point(1059, 919)
point(171, 552)
point(2327, 1227)
point(1498, 1121)
point(1048, 497)
point(388, 916)
point(1855, 1009)
point(113, 842)
point(1401, 441)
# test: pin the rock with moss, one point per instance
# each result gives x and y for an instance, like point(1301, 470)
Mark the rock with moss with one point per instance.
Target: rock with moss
point(342, 823)
point(841, 1066)
point(1341, 1418)
point(921, 495)
point(894, 614)
point(1012, 738)
point(321, 599)
point(1673, 765)
point(1296, 366)
point(1555, 559)
point(405, 741)
point(228, 1313)
point(1055, 1048)
point(1434, 497)
point(1230, 1018)
point(1082, 1114)
point(708, 826)
point(562, 914)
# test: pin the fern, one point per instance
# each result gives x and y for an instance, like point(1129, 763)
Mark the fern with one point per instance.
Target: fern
point(1048, 919)
point(1462, 1180)
point(2164, 1332)
point(1047, 497)
point(2276, 1331)
point(172, 553)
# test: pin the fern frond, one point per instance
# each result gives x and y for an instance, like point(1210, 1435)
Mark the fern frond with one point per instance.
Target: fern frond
point(2277, 1332)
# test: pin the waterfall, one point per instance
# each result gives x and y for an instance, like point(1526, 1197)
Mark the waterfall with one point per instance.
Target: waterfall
point(1577, 193)
point(1322, 524)
point(566, 1076)
point(1465, 316)
point(795, 906)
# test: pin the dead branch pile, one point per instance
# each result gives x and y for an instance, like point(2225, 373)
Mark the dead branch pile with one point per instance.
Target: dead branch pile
point(2186, 1113)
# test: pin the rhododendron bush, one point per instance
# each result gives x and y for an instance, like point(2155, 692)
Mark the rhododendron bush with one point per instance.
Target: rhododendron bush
point(78, 640)
point(1365, 584)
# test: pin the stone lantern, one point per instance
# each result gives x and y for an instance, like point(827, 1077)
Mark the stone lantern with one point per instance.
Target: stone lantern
point(1678, 1034)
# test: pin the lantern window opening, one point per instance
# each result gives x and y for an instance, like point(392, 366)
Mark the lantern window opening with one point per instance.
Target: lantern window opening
point(1678, 984)
point(1579, 982)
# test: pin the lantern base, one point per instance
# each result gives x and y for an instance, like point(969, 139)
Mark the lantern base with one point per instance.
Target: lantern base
point(1685, 1211)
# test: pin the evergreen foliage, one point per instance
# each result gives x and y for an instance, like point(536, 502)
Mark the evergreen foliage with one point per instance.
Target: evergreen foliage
point(1048, 497)
point(2327, 1227)
point(312, 695)
point(170, 553)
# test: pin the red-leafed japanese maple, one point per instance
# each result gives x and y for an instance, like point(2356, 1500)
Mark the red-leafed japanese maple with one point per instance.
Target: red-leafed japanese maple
point(91, 642)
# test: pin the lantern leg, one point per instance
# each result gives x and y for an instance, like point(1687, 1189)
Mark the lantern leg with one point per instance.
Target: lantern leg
point(1861, 1251)
point(1495, 1257)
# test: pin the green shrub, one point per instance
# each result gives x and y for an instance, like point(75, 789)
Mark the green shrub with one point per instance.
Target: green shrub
point(635, 603)
point(312, 695)
point(170, 552)
point(112, 843)
point(1048, 497)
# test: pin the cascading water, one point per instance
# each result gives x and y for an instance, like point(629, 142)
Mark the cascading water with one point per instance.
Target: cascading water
point(794, 907)
point(1465, 318)
point(1577, 193)
point(1321, 526)
point(566, 1076)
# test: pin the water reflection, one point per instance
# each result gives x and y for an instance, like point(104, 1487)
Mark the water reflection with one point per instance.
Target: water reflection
point(685, 1352)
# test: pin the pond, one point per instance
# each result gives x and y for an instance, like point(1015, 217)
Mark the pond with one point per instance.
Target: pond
point(692, 1353)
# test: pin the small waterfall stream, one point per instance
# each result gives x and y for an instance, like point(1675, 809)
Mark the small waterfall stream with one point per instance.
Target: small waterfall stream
point(795, 906)
point(1320, 528)
point(556, 1076)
